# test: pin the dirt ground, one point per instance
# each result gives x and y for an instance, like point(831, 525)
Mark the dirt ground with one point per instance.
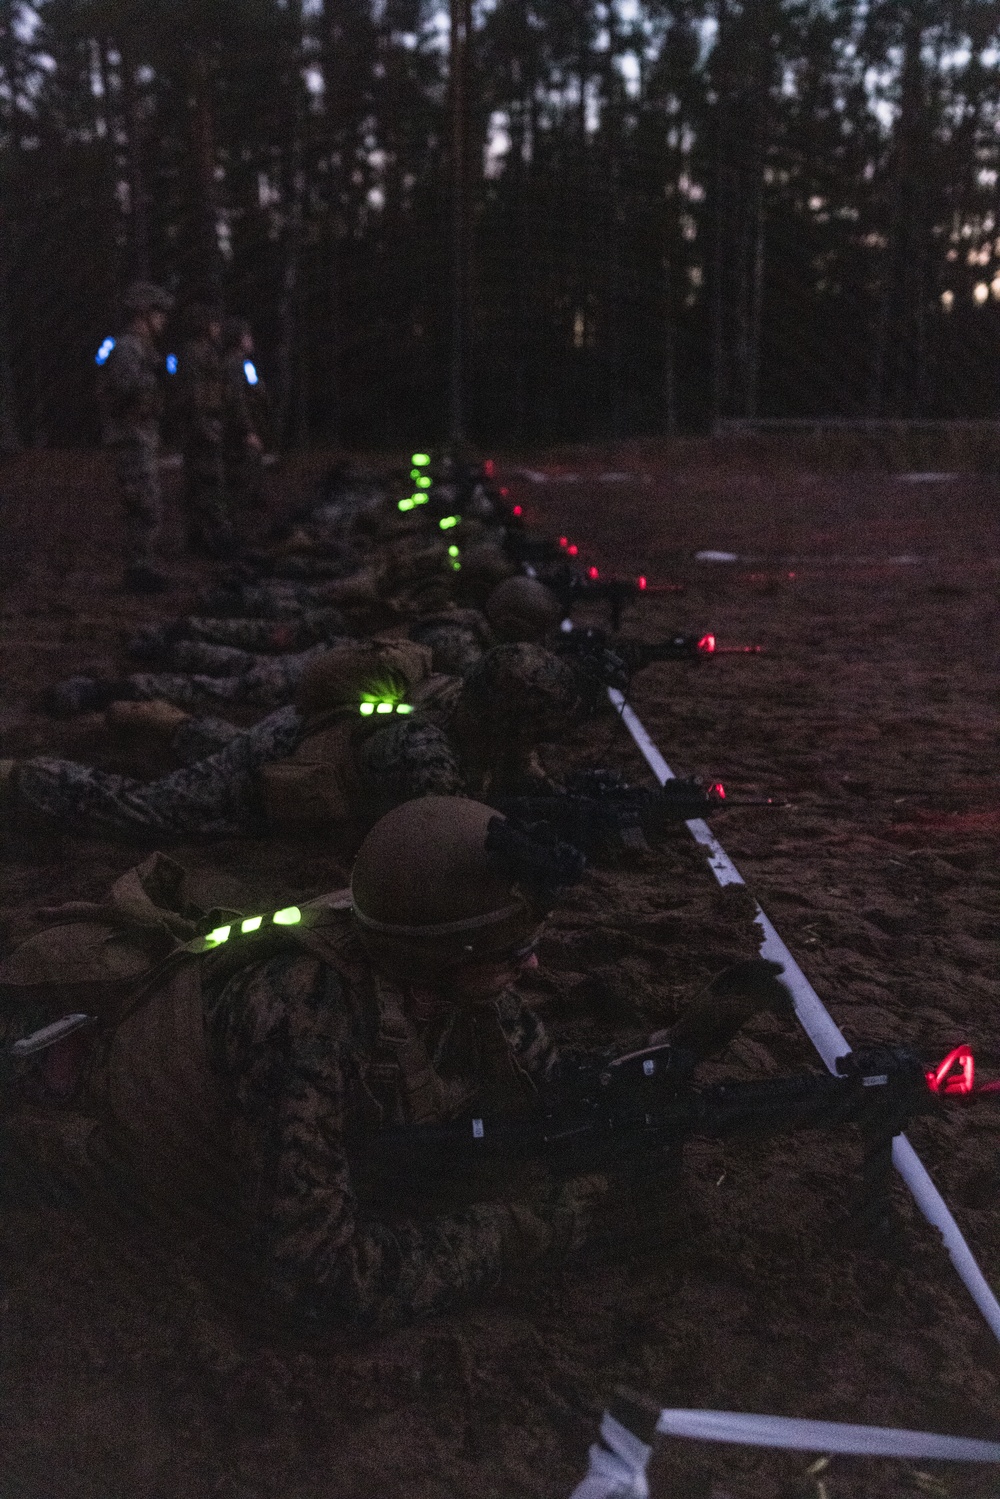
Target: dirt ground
point(872, 714)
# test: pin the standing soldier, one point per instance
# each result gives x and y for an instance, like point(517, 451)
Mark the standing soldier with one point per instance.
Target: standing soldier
point(131, 403)
point(202, 410)
point(247, 417)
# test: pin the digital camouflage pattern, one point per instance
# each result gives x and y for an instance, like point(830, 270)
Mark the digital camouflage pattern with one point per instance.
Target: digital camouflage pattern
point(250, 680)
point(466, 737)
point(217, 792)
point(407, 758)
point(202, 407)
point(456, 642)
point(268, 598)
point(154, 643)
point(131, 405)
point(343, 1243)
point(217, 795)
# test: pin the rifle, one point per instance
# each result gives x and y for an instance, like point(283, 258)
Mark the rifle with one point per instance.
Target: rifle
point(572, 586)
point(599, 811)
point(632, 1115)
point(613, 663)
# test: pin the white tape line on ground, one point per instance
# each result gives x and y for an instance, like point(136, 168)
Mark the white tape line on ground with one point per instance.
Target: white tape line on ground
point(823, 1436)
point(827, 1038)
point(617, 1470)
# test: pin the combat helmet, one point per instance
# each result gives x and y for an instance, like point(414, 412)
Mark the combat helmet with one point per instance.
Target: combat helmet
point(375, 679)
point(522, 609)
point(145, 296)
point(483, 567)
point(444, 882)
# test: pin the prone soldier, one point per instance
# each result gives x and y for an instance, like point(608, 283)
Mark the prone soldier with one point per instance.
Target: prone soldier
point(371, 726)
point(289, 1126)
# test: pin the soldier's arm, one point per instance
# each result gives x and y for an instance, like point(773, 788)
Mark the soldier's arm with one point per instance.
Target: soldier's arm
point(548, 1064)
point(238, 411)
point(130, 379)
point(203, 393)
point(276, 1030)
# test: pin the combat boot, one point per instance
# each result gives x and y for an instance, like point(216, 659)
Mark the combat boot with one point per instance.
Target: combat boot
point(81, 695)
point(155, 716)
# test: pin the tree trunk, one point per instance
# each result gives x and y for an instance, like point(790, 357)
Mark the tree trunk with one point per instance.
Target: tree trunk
point(139, 218)
point(461, 27)
point(206, 237)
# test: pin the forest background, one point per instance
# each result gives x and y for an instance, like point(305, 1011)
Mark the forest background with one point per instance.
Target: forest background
point(677, 210)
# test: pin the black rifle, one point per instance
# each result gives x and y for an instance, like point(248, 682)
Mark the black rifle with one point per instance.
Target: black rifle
point(632, 1116)
point(599, 811)
point(612, 662)
point(573, 586)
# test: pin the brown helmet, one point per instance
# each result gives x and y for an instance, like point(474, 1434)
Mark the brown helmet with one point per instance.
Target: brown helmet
point(483, 567)
point(435, 886)
point(352, 676)
point(522, 609)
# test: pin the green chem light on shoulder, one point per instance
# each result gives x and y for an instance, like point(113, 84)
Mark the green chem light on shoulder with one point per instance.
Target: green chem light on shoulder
point(385, 706)
point(453, 551)
point(288, 916)
point(423, 482)
point(407, 504)
point(420, 460)
point(448, 521)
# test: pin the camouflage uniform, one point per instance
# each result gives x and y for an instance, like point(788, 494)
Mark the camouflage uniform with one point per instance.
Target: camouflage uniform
point(342, 1242)
point(216, 795)
point(457, 639)
point(131, 398)
point(218, 791)
point(428, 752)
point(270, 1123)
point(202, 402)
point(260, 636)
point(268, 598)
point(245, 416)
point(226, 675)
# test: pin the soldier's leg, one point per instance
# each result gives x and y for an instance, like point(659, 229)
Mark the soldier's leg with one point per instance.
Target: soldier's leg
point(268, 636)
point(269, 683)
point(157, 644)
point(269, 598)
point(200, 736)
point(216, 795)
point(210, 660)
point(208, 524)
point(273, 679)
point(137, 468)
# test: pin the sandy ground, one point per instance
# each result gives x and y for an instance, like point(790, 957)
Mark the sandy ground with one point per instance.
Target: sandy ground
point(872, 713)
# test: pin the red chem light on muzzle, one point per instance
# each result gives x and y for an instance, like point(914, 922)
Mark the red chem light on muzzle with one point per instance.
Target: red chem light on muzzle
point(944, 1080)
point(707, 644)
